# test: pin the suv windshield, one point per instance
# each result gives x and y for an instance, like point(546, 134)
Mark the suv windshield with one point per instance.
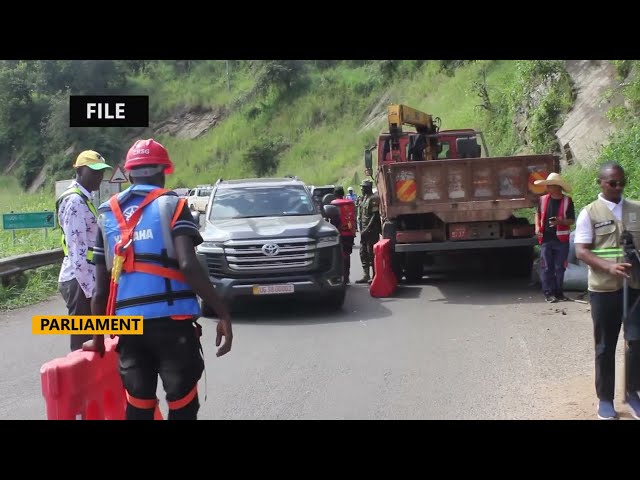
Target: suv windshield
point(247, 202)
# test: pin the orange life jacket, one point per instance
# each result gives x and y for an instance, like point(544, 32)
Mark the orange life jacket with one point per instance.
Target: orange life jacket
point(347, 216)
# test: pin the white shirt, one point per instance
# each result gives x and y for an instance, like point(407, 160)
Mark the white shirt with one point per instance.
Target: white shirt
point(584, 232)
point(80, 230)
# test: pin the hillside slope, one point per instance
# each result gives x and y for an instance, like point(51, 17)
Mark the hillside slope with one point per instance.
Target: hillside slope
point(255, 118)
point(309, 118)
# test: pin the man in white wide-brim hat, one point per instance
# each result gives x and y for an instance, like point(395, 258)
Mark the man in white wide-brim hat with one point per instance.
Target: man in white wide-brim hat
point(554, 217)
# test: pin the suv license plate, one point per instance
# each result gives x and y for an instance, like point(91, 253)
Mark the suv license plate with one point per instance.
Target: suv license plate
point(272, 289)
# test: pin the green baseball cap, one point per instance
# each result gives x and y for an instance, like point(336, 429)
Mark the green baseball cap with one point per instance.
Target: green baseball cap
point(91, 159)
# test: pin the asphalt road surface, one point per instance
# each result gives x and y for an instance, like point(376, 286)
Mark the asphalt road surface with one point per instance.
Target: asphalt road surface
point(453, 347)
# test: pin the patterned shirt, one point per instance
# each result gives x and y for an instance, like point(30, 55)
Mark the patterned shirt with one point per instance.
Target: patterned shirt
point(80, 230)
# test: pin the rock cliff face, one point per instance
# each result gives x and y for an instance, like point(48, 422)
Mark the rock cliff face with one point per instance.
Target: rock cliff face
point(189, 124)
point(586, 127)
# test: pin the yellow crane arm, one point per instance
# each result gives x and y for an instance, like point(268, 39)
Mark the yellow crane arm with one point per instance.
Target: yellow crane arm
point(399, 115)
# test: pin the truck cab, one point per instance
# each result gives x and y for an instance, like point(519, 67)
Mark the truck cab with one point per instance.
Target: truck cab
point(447, 144)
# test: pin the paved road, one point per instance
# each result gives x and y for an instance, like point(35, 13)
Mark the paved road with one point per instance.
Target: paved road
point(446, 349)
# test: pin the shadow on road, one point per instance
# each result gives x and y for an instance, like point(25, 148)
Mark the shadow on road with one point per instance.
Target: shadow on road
point(484, 289)
point(408, 291)
point(358, 305)
point(472, 288)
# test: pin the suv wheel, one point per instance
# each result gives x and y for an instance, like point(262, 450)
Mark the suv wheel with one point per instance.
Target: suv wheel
point(335, 300)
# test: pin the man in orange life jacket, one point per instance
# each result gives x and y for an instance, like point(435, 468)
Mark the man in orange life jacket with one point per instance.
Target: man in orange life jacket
point(347, 227)
point(554, 217)
point(152, 231)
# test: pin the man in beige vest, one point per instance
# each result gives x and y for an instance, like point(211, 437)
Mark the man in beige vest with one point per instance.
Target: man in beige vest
point(598, 244)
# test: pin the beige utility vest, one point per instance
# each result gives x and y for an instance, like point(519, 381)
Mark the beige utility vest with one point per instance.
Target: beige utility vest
point(607, 231)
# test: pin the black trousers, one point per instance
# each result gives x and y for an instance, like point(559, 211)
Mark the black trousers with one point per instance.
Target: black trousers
point(168, 348)
point(77, 304)
point(347, 247)
point(606, 312)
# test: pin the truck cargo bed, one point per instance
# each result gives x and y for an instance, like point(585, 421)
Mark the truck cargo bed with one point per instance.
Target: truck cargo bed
point(463, 190)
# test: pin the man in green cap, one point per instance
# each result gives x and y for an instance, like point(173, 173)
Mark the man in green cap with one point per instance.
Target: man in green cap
point(370, 228)
point(77, 219)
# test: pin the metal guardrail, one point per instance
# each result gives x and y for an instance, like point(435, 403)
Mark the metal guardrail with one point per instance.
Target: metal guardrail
point(19, 263)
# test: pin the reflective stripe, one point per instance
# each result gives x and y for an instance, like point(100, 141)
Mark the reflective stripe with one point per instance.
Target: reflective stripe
point(610, 252)
point(177, 212)
point(141, 403)
point(184, 401)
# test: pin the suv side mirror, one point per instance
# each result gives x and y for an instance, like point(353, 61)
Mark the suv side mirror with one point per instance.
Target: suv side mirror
point(368, 159)
point(196, 217)
point(330, 211)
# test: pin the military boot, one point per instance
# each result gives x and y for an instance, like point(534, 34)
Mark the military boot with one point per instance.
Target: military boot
point(365, 278)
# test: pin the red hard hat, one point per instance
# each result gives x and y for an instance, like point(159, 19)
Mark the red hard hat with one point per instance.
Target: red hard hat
point(148, 153)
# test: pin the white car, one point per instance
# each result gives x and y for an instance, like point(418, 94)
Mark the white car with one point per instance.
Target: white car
point(198, 198)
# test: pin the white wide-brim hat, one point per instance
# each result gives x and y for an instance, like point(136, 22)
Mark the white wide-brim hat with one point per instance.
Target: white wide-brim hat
point(555, 179)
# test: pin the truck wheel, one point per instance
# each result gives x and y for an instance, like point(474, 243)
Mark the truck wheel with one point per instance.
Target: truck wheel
point(520, 262)
point(413, 267)
point(389, 230)
point(335, 299)
point(396, 266)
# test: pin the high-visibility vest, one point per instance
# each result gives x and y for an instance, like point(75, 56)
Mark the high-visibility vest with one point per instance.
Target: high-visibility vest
point(90, 206)
point(607, 232)
point(562, 231)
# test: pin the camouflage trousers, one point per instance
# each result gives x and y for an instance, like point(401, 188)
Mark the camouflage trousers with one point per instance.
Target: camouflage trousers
point(366, 250)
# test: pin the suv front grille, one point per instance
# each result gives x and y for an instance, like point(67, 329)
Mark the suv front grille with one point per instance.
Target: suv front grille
point(247, 256)
point(214, 264)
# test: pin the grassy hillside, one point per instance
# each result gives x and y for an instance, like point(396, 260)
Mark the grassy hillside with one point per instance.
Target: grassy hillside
point(307, 118)
point(315, 128)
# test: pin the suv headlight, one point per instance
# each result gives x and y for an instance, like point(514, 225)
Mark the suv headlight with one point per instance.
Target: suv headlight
point(211, 247)
point(329, 241)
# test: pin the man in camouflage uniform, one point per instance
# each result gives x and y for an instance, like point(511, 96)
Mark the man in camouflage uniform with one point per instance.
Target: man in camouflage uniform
point(358, 202)
point(370, 228)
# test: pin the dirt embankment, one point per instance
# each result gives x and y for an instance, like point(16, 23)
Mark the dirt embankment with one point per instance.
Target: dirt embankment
point(586, 127)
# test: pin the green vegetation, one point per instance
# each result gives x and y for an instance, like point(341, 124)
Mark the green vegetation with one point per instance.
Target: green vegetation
point(26, 241)
point(36, 285)
point(312, 119)
point(305, 118)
